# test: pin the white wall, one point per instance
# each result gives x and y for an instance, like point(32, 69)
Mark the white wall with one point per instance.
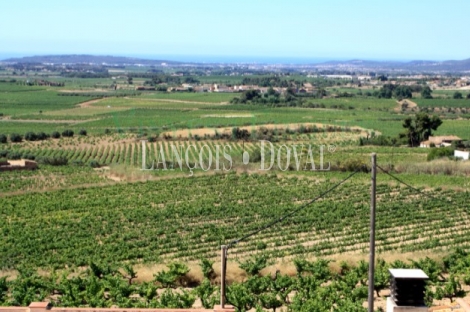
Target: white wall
point(462, 154)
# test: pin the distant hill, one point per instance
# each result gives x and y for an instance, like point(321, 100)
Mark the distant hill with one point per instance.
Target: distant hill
point(417, 66)
point(85, 58)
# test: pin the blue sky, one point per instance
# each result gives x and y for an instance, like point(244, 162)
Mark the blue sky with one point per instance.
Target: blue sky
point(307, 29)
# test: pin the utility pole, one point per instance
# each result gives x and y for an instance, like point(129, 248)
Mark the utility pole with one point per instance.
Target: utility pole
point(372, 233)
point(223, 271)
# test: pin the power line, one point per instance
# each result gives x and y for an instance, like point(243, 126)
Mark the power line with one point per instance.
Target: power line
point(276, 221)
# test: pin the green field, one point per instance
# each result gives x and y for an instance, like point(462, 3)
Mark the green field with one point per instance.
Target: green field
point(446, 103)
point(89, 208)
point(25, 99)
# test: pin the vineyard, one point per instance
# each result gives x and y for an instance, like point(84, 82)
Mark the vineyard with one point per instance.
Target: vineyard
point(124, 151)
point(189, 218)
point(313, 287)
point(77, 230)
point(47, 178)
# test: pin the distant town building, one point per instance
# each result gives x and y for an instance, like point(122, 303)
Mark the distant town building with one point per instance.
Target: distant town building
point(440, 141)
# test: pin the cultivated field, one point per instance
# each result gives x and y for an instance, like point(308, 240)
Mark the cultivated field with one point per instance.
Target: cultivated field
point(90, 209)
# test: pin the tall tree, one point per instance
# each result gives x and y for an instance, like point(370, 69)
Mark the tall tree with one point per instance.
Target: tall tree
point(426, 93)
point(420, 128)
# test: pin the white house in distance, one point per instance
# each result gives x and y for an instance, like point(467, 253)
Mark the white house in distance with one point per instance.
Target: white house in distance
point(445, 141)
point(465, 155)
point(440, 141)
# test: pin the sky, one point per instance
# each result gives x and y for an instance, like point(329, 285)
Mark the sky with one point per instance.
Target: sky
point(243, 29)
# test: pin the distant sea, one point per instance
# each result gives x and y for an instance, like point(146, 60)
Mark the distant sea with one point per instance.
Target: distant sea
point(210, 58)
point(238, 59)
point(200, 58)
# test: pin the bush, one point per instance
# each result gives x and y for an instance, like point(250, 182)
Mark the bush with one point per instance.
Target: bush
point(29, 156)
point(3, 154)
point(256, 156)
point(67, 133)
point(240, 134)
point(30, 136)
point(14, 155)
point(94, 163)
point(457, 95)
point(42, 136)
point(107, 131)
point(353, 165)
point(440, 152)
point(54, 161)
point(3, 138)
point(380, 140)
point(16, 138)
point(82, 132)
point(77, 162)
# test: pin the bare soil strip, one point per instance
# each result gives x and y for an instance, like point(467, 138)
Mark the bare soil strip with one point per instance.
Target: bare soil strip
point(88, 103)
point(185, 133)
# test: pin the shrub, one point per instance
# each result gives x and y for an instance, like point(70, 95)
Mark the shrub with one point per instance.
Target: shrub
point(77, 162)
point(440, 152)
point(55, 135)
point(240, 134)
point(457, 95)
point(256, 156)
point(29, 156)
point(14, 155)
point(94, 163)
point(42, 136)
point(54, 161)
point(352, 164)
point(30, 136)
point(82, 132)
point(3, 138)
point(107, 131)
point(3, 154)
point(15, 137)
point(67, 133)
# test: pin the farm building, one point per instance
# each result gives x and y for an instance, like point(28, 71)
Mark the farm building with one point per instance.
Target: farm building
point(22, 164)
point(465, 155)
point(440, 141)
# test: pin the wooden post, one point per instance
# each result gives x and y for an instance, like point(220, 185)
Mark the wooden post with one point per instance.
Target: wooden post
point(223, 271)
point(372, 234)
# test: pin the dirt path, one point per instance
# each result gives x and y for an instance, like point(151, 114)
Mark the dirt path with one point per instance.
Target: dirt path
point(88, 103)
